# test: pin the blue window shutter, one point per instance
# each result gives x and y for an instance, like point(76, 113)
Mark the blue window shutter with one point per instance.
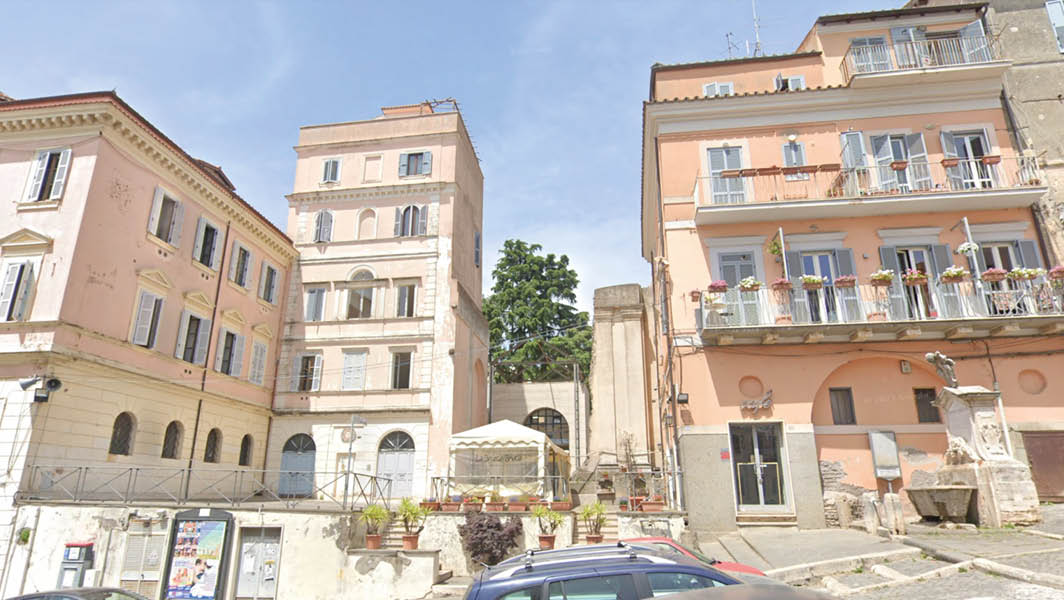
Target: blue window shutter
point(888, 258)
point(426, 163)
point(942, 257)
point(844, 263)
point(1029, 255)
point(794, 263)
point(402, 165)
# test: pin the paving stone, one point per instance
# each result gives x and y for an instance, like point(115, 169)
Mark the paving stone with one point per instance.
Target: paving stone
point(856, 580)
point(1052, 519)
point(986, 543)
point(917, 566)
point(1045, 562)
point(966, 586)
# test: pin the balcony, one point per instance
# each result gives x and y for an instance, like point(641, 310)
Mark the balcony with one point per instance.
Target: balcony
point(829, 190)
point(933, 310)
point(947, 58)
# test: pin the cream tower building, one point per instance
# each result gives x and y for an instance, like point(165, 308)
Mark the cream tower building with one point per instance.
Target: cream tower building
point(385, 347)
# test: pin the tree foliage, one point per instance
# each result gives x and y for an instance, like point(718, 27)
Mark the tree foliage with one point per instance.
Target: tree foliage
point(486, 538)
point(533, 318)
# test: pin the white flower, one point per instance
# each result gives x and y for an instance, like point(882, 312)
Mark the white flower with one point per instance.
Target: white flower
point(749, 282)
point(968, 248)
point(955, 271)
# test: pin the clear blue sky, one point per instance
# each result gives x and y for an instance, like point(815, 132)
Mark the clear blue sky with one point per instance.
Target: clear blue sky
point(551, 92)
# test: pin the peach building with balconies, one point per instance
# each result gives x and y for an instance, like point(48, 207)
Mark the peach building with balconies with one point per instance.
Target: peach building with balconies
point(818, 221)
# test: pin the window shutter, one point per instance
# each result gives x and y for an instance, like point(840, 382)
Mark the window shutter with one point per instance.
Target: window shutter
point(37, 174)
point(273, 287)
point(7, 290)
point(219, 349)
point(1028, 253)
point(145, 310)
point(182, 333)
point(476, 248)
point(297, 364)
point(315, 384)
point(402, 165)
point(844, 263)
point(852, 150)
point(943, 259)
point(725, 89)
point(216, 252)
point(881, 150)
point(156, 208)
point(979, 264)
point(236, 364)
point(246, 273)
point(709, 89)
point(202, 339)
point(788, 155)
point(25, 288)
point(197, 248)
point(315, 304)
point(179, 221)
point(918, 168)
point(258, 363)
point(796, 83)
point(794, 263)
point(423, 220)
point(234, 258)
point(349, 370)
point(426, 163)
point(888, 258)
point(326, 226)
point(781, 83)
point(398, 221)
point(60, 175)
point(262, 280)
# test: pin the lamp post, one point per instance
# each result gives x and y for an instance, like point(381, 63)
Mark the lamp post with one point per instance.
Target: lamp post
point(355, 420)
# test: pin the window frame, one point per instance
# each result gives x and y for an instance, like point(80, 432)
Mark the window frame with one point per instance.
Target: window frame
point(796, 148)
point(836, 417)
point(325, 169)
point(177, 217)
point(198, 246)
point(247, 450)
point(311, 377)
point(117, 446)
point(366, 175)
point(411, 293)
point(234, 265)
point(319, 314)
point(783, 83)
point(716, 86)
point(175, 447)
point(212, 446)
point(422, 170)
point(268, 285)
point(34, 191)
point(359, 290)
point(323, 226)
point(921, 413)
point(158, 306)
point(344, 377)
point(397, 366)
point(204, 326)
point(17, 302)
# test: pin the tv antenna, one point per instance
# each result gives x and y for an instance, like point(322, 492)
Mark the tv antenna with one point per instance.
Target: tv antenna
point(731, 45)
point(757, 30)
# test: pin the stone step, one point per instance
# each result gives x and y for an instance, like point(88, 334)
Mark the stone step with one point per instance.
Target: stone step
point(455, 587)
point(742, 551)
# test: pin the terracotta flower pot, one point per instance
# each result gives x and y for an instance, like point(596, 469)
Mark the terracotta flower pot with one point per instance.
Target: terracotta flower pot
point(563, 505)
point(472, 507)
point(877, 316)
point(546, 542)
point(410, 542)
point(812, 286)
point(434, 506)
point(450, 506)
point(517, 506)
point(882, 282)
point(953, 279)
point(494, 506)
point(752, 288)
point(899, 165)
point(784, 320)
point(623, 507)
point(594, 539)
point(916, 281)
point(373, 541)
point(991, 159)
point(993, 277)
point(950, 162)
point(652, 506)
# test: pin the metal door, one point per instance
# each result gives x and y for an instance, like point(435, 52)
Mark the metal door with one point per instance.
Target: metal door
point(1044, 452)
point(757, 456)
point(260, 554)
point(395, 461)
point(297, 467)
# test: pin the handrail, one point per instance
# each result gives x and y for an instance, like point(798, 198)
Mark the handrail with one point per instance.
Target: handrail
point(918, 54)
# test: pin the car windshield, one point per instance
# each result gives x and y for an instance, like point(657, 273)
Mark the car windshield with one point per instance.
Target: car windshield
point(699, 555)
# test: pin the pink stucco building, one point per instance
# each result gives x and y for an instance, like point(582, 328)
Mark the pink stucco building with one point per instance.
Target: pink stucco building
point(774, 187)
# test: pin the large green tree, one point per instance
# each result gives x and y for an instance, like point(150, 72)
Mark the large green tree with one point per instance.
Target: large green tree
point(533, 318)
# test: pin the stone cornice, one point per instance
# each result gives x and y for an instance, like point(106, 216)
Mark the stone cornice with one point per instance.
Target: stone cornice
point(381, 191)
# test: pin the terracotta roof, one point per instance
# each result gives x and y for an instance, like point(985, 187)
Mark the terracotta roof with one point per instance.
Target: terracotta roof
point(733, 61)
point(5, 98)
point(745, 94)
point(206, 169)
point(899, 12)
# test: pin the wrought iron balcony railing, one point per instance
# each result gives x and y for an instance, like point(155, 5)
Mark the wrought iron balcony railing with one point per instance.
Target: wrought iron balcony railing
point(920, 54)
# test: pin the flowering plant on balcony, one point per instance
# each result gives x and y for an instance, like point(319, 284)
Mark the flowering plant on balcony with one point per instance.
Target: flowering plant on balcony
point(845, 281)
point(813, 282)
point(882, 277)
point(1056, 273)
point(954, 274)
point(750, 284)
point(994, 274)
point(718, 286)
point(781, 284)
point(1025, 274)
point(914, 277)
point(967, 248)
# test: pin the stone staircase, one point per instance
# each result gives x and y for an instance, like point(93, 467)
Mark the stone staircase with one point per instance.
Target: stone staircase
point(609, 529)
point(392, 536)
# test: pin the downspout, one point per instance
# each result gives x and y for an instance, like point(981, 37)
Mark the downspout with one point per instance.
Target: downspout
point(491, 385)
point(1039, 230)
point(1000, 404)
point(214, 312)
point(192, 449)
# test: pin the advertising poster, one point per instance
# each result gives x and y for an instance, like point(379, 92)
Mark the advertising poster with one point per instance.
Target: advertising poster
point(196, 561)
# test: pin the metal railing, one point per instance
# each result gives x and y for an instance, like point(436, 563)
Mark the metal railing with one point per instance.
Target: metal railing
point(335, 490)
point(547, 487)
point(933, 300)
point(920, 54)
point(899, 178)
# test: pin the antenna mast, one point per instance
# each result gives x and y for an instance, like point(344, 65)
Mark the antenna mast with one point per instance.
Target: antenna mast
point(731, 45)
point(757, 31)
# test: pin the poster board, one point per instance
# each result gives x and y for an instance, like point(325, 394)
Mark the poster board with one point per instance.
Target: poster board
point(198, 555)
point(884, 455)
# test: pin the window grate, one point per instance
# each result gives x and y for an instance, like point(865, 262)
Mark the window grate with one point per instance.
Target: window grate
point(212, 451)
point(122, 435)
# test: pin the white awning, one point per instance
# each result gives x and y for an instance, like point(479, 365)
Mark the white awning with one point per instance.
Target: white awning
point(502, 434)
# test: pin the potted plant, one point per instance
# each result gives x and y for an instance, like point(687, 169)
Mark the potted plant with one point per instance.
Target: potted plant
point(413, 517)
point(696, 295)
point(622, 504)
point(653, 504)
point(548, 521)
point(374, 516)
point(774, 247)
point(781, 284)
point(750, 284)
point(967, 248)
point(594, 517)
point(605, 488)
point(812, 282)
point(562, 503)
point(899, 165)
point(1056, 273)
point(495, 503)
point(431, 504)
point(452, 505)
point(913, 278)
point(535, 501)
point(882, 278)
point(991, 159)
point(953, 274)
point(845, 281)
point(719, 286)
point(994, 274)
point(472, 504)
point(517, 504)
point(1025, 274)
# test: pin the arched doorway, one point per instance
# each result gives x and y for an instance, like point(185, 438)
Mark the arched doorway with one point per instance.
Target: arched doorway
point(552, 423)
point(297, 467)
point(395, 460)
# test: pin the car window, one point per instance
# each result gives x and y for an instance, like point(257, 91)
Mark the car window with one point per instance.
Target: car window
point(662, 584)
point(531, 593)
point(610, 587)
point(667, 547)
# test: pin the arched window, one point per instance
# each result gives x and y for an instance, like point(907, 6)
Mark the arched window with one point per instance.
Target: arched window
point(362, 275)
point(172, 439)
point(397, 441)
point(360, 298)
point(550, 422)
point(245, 451)
point(395, 462)
point(323, 226)
point(213, 451)
point(411, 220)
point(297, 467)
point(367, 224)
point(122, 435)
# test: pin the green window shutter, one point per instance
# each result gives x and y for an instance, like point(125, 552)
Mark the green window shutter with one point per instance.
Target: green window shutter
point(402, 165)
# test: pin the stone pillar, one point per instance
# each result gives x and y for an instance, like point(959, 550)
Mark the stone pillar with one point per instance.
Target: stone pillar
point(1005, 492)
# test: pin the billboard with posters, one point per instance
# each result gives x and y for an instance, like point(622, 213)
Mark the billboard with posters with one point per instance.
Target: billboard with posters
point(198, 555)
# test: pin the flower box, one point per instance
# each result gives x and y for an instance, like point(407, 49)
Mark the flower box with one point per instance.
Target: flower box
point(747, 172)
point(831, 167)
point(899, 165)
point(950, 162)
point(991, 159)
point(606, 496)
point(782, 285)
point(845, 281)
point(993, 275)
point(517, 506)
point(953, 279)
point(881, 282)
point(561, 505)
point(472, 507)
point(450, 506)
point(807, 169)
point(751, 288)
point(877, 316)
point(812, 285)
point(769, 171)
point(784, 320)
point(652, 506)
point(915, 281)
point(728, 174)
point(791, 170)
point(1056, 273)
point(718, 287)
point(431, 505)
point(494, 506)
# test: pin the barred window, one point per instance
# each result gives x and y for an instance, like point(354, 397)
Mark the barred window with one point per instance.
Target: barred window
point(212, 452)
point(172, 439)
point(552, 423)
point(122, 435)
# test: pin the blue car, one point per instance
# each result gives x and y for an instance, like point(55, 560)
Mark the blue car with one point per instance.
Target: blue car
point(605, 572)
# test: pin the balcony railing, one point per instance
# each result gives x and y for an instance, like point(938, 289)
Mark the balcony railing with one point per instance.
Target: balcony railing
point(899, 178)
point(921, 54)
point(930, 301)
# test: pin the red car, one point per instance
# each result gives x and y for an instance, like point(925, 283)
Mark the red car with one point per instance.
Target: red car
point(667, 544)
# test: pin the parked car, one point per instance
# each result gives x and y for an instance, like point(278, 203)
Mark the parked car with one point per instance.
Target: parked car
point(94, 593)
point(670, 545)
point(751, 592)
point(603, 572)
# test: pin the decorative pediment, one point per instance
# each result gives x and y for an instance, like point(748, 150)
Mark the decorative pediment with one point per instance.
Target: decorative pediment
point(198, 299)
point(234, 316)
point(263, 330)
point(25, 241)
point(155, 280)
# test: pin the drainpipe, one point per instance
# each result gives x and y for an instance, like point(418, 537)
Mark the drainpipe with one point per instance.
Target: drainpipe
point(192, 450)
point(491, 385)
point(783, 254)
point(576, 410)
point(1039, 230)
point(214, 312)
point(1000, 404)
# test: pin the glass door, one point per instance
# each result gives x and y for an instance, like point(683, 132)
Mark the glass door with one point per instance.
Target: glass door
point(918, 297)
point(757, 457)
point(821, 302)
point(971, 148)
point(726, 190)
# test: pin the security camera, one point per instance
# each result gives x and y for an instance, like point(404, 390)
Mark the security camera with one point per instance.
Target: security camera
point(52, 384)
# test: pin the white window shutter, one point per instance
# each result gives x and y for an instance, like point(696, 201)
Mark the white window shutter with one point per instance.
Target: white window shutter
point(216, 254)
point(236, 364)
point(36, 176)
point(219, 350)
point(202, 339)
point(402, 165)
point(262, 280)
point(179, 222)
point(273, 287)
point(60, 175)
point(354, 370)
point(258, 363)
point(297, 365)
point(426, 163)
point(233, 260)
point(246, 274)
point(325, 170)
point(22, 298)
point(725, 89)
point(8, 288)
point(398, 221)
point(709, 89)
point(197, 248)
point(145, 310)
point(182, 333)
point(315, 384)
point(156, 208)
point(423, 220)
point(326, 226)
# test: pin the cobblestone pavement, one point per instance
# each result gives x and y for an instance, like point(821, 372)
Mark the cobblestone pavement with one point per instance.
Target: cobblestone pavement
point(965, 586)
point(984, 543)
point(916, 566)
point(1045, 562)
point(1052, 519)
